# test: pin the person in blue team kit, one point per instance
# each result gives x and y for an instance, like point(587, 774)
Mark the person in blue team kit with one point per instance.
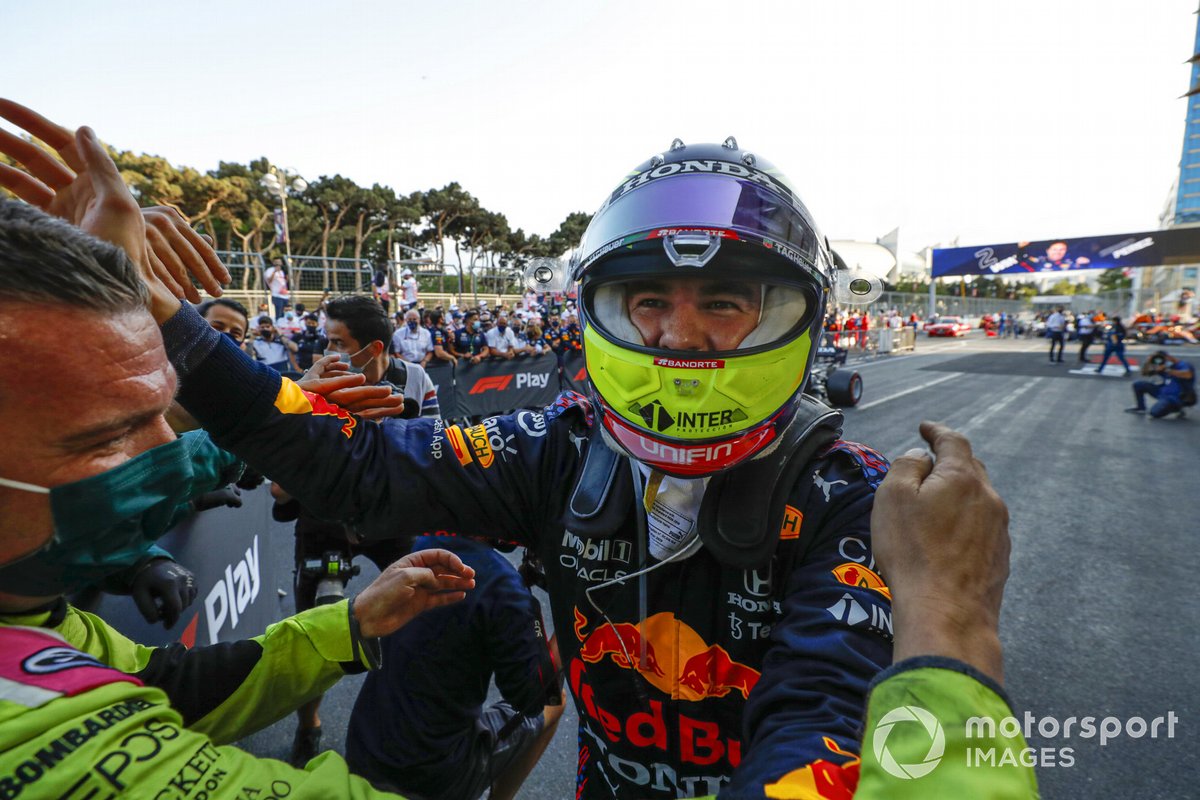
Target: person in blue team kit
point(1176, 390)
point(470, 343)
point(420, 726)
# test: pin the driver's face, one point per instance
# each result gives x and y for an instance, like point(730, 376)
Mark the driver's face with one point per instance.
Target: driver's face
point(694, 313)
point(1056, 251)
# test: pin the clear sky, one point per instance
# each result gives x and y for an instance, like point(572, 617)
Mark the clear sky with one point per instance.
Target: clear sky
point(991, 121)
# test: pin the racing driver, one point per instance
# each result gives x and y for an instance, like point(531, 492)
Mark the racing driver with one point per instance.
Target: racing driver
point(705, 532)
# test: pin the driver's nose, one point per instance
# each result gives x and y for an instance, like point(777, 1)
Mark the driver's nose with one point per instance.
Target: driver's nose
point(683, 329)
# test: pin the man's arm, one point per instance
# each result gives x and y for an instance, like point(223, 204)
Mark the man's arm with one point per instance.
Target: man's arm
point(1182, 374)
point(941, 534)
point(833, 635)
point(398, 477)
point(524, 669)
point(230, 690)
point(106, 735)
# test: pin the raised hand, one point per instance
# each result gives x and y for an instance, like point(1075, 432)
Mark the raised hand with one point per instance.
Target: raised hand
point(418, 582)
point(86, 190)
point(940, 534)
point(178, 254)
point(328, 377)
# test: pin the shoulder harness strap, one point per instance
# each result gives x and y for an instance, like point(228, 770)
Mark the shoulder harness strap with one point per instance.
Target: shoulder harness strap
point(743, 509)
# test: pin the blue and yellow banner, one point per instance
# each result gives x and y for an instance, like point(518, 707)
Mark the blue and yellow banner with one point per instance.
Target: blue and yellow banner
point(1114, 251)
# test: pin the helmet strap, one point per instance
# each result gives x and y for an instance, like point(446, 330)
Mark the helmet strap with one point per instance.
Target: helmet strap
point(742, 511)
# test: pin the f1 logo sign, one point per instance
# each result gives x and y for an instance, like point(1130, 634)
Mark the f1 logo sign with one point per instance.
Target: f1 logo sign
point(497, 383)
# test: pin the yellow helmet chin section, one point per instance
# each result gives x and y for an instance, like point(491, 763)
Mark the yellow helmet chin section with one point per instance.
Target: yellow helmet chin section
point(691, 397)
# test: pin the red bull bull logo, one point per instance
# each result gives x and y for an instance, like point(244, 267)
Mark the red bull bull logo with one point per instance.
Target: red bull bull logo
point(323, 408)
point(820, 780)
point(669, 654)
point(291, 399)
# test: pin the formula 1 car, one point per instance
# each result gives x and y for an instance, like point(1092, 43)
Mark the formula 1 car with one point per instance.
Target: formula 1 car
point(839, 387)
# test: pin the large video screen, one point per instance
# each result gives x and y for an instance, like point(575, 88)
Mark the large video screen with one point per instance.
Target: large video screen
point(1120, 250)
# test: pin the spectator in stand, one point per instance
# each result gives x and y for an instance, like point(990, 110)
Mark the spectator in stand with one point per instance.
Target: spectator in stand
point(441, 336)
point(454, 326)
point(529, 338)
point(1176, 390)
point(227, 316)
point(574, 333)
point(383, 289)
point(408, 289)
point(469, 340)
point(1056, 332)
point(359, 329)
point(309, 342)
point(1086, 328)
point(1114, 344)
point(501, 339)
point(412, 342)
point(554, 338)
point(276, 278)
point(851, 327)
point(321, 312)
point(272, 349)
point(420, 726)
point(290, 323)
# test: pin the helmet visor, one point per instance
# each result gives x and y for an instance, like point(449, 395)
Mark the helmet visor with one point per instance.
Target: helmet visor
point(692, 314)
point(701, 202)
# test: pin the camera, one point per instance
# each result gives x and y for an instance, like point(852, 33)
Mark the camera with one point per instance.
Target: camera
point(333, 570)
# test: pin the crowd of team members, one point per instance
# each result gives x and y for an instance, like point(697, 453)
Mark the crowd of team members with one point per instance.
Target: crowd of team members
point(540, 325)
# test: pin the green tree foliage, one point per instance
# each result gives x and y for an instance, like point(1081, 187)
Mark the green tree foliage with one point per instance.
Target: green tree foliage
point(334, 217)
point(1112, 279)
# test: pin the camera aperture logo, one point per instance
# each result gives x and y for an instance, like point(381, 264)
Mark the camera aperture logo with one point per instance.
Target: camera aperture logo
point(909, 715)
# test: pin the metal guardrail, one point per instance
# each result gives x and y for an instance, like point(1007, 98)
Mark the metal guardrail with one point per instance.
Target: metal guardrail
point(953, 305)
point(876, 341)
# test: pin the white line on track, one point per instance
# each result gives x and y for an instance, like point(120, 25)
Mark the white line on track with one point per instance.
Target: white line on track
point(982, 417)
point(918, 388)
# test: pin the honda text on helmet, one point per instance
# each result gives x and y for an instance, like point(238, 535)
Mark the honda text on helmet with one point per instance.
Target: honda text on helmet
point(703, 283)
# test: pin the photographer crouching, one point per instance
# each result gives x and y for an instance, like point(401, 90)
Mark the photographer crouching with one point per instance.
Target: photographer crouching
point(1174, 389)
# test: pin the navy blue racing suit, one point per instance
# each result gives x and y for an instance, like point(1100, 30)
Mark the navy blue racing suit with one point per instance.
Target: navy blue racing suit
point(693, 679)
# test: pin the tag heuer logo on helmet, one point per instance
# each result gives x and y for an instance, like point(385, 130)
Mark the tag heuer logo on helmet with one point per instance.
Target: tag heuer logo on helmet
point(701, 166)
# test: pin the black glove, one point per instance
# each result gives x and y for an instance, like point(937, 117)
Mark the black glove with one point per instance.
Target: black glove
point(162, 589)
point(225, 496)
point(250, 480)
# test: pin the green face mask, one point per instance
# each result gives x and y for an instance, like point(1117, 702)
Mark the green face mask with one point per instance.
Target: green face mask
point(110, 521)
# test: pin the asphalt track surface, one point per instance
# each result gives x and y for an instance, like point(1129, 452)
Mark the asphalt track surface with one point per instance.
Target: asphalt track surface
point(1101, 610)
